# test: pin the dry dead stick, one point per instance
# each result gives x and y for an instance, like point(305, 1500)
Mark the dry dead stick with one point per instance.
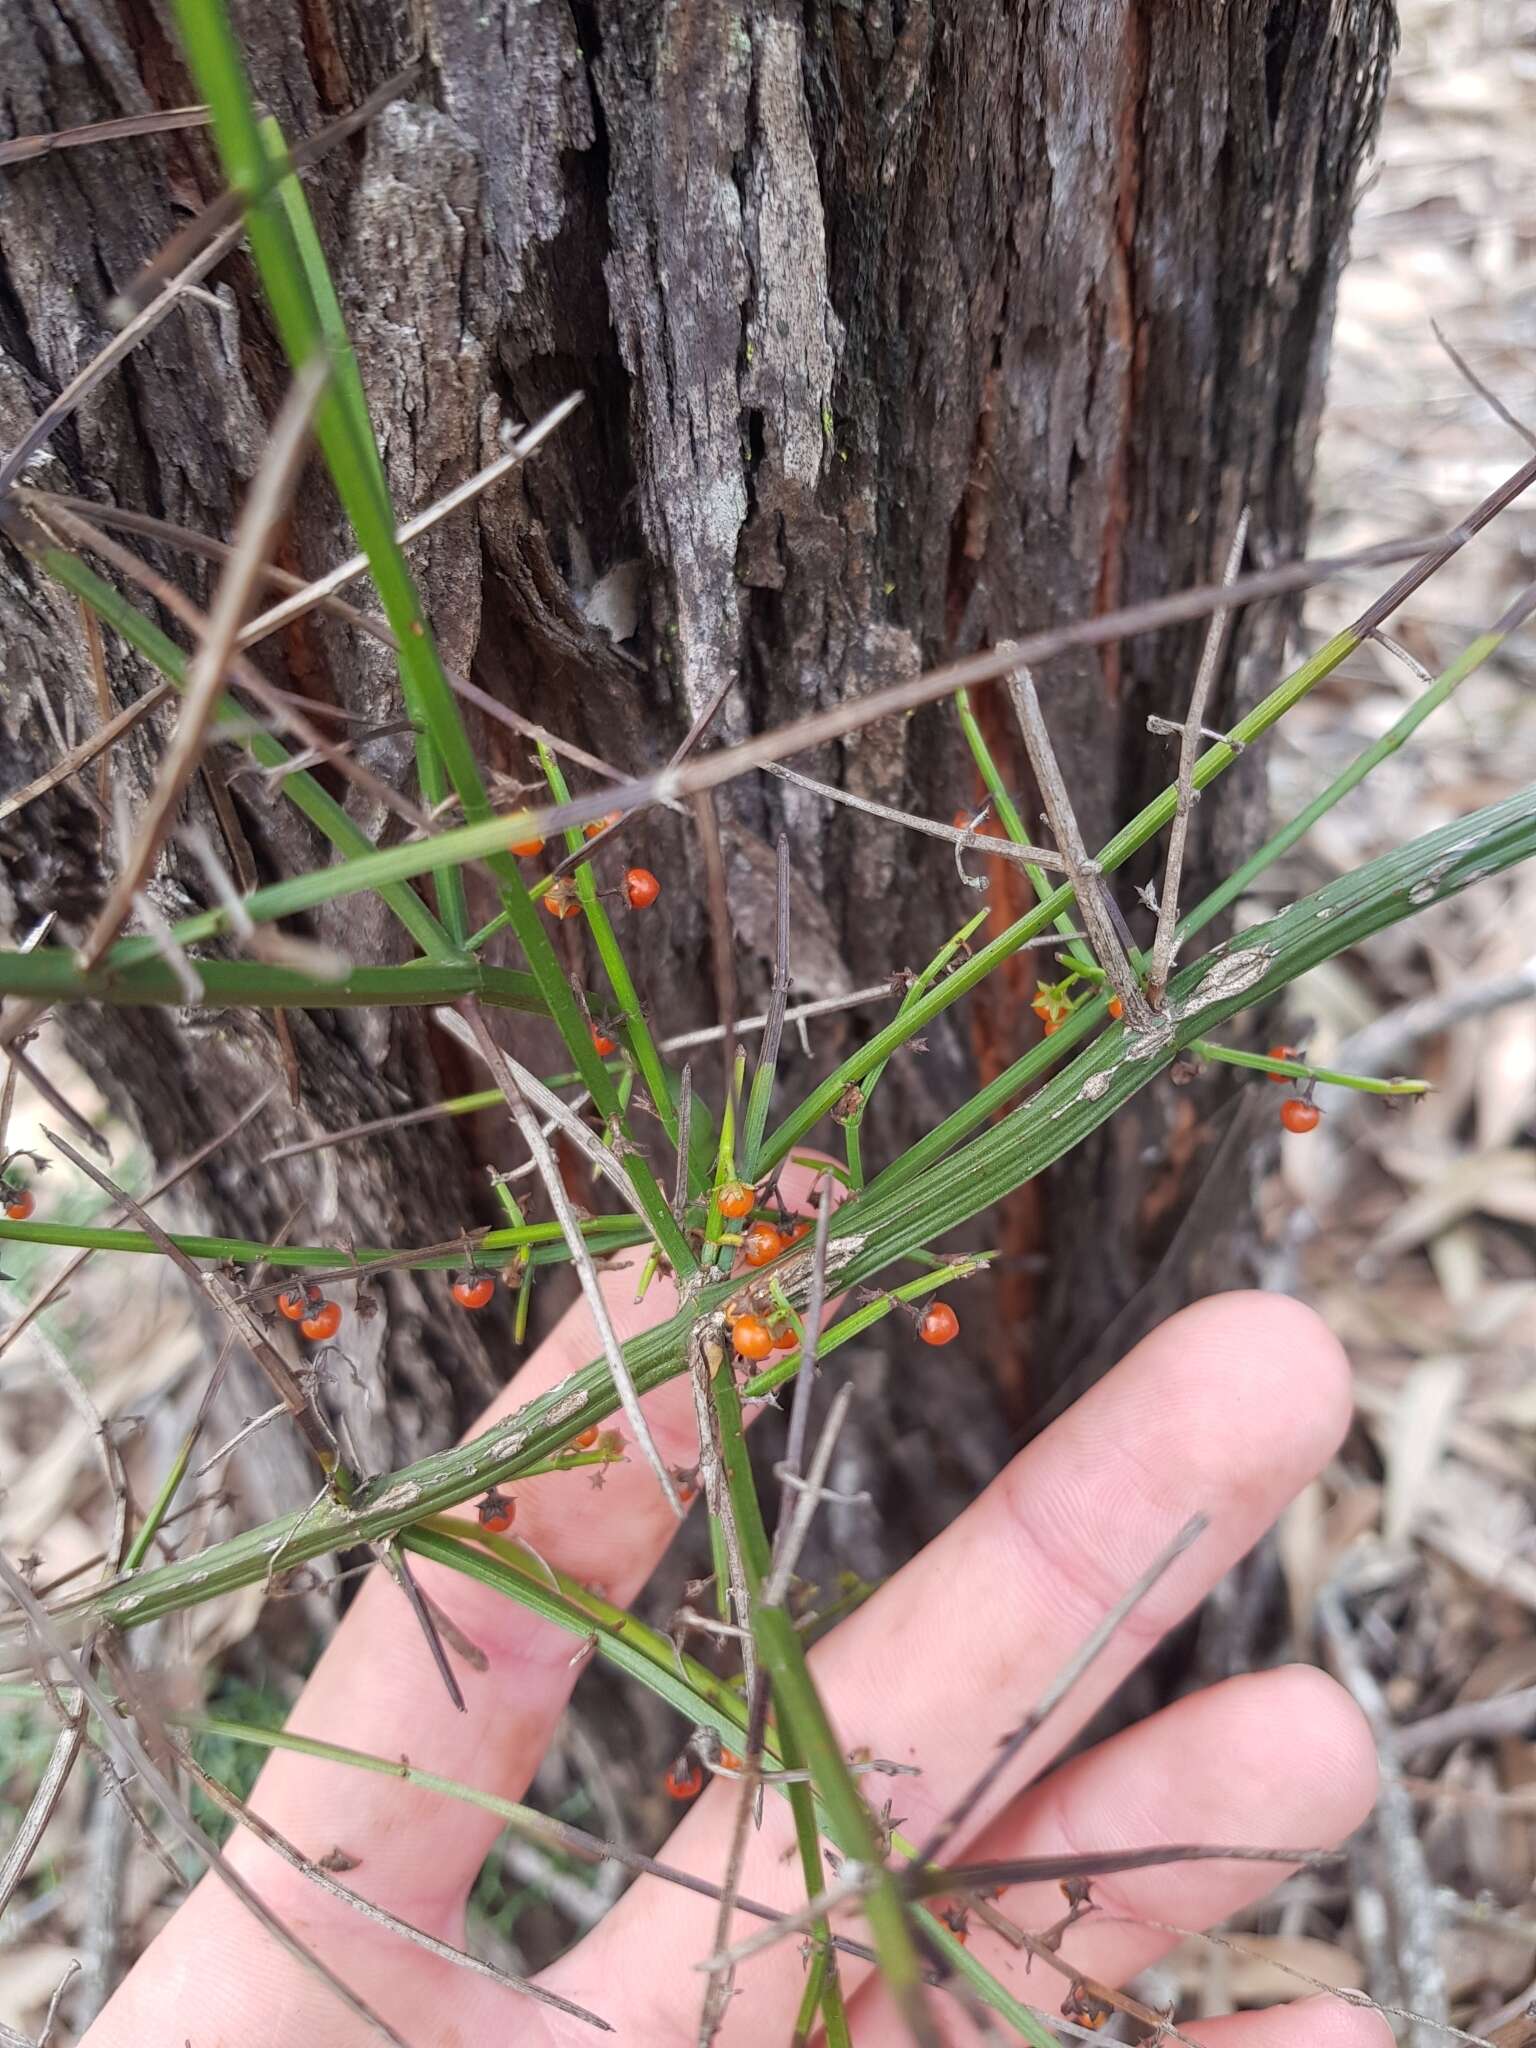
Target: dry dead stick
point(1165, 942)
point(264, 506)
point(192, 542)
point(125, 1739)
point(581, 1258)
point(26, 149)
point(304, 600)
point(957, 836)
point(1082, 869)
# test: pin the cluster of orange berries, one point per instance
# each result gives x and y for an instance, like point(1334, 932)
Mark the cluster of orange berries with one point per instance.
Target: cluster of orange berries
point(317, 1318)
point(561, 899)
point(685, 1775)
point(1298, 1114)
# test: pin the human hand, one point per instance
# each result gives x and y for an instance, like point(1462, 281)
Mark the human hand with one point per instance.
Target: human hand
point(1228, 1410)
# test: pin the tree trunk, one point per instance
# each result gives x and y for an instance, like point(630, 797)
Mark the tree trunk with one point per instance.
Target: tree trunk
point(902, 328)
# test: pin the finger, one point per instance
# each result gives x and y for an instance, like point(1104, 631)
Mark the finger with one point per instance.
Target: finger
point(1285, 1757)
point(376, 1687)
point(1310, 2023)
point(1229, 1408)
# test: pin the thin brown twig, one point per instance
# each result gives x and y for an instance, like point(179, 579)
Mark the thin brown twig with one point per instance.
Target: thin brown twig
point(192, 542)
point(264, 506)
point(226, 213)
point(1489, 397)
point(710, 771)
point(530, 729)
point(581, 1258)
point(85, 380)
point(1069, 1675)
point(26, 149)
point(126, 1740)
point(1087, 880)
point(21, 1059)
point(43, 1804)
point(954, 835)
point(304, 600)
point(1405, 1871)
point(600, 1157)
point(285, 1850)
point(1165, 941)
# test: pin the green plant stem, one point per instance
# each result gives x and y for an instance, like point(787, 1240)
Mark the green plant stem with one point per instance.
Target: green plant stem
point(542, 1241)
point(1298, 1070)
point(160, 1506)
point(50, 974)
point(886, 1223)
point(802, 1716)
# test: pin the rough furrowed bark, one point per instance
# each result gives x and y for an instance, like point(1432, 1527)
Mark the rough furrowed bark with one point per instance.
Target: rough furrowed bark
point(901, 331)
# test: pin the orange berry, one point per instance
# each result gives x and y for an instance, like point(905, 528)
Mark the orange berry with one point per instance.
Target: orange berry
point(685, 1779)
point(602, 1044)
point(322, 1322)
point(497, 1512)
point(1299, 1116)
point(736, 1200)
point(641, 887)
point(472, 1290)
point(584, 1439)
point(762, 1243)
point(528, 849)
point(785, 1336)
point(19, 1204)
point(730, 1759)
point(1281, 1052)
point(752, 1337)
point(561, 899)
point(1116, 1007)
point(939, 1324)
point(293, 1303)
point(601, 824)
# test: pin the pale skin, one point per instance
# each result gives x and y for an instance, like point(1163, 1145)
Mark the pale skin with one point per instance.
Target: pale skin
point(1227, 1410)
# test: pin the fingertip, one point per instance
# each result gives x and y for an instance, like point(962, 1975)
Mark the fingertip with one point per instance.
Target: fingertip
point(1273, 1357)
point(1322, 2022)
point(1341, 1750)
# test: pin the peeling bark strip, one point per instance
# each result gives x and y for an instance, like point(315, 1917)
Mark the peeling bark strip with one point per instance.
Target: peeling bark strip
point(903, 330)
